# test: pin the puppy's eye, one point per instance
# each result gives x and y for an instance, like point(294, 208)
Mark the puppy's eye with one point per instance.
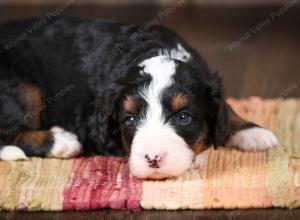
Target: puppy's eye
point(130, 122)
point(183, 118)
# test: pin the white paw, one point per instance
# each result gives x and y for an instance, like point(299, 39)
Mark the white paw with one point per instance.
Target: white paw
point(12, 153)
point(66, 144)
point(253, 139)
point(57, 129)
point(200, 160)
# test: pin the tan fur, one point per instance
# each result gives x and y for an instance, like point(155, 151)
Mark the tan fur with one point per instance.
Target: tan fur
point(130, 105)
point(33, 138)
point(200, 145)
point(179, 101)
point(34, 98)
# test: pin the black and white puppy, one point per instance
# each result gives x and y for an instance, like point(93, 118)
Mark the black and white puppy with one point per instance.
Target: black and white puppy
point(102, 85)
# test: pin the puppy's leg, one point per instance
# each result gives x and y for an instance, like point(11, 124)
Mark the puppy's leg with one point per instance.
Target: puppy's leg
point(20, 133)
point(247, 135)
point(54, 143)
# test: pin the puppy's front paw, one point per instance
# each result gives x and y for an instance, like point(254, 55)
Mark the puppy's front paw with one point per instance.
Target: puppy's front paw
point(66, 144)
point(12, 153)
point(253, 139)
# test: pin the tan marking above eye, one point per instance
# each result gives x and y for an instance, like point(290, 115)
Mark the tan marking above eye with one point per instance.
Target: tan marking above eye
point(130, 105)
point(179, 101)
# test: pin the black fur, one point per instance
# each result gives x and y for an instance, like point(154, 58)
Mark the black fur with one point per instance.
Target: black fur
point(85, 67)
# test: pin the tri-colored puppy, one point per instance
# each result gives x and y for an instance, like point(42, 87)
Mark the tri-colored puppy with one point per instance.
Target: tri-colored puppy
point(91, 86)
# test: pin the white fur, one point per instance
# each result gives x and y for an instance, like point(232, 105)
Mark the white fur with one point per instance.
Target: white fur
point(12, 153)
point(154, 136)
point(178, 53)
point(162, 71)
point(177, 157)
point(57, 129)
point(66, 144)
point(253, 139)
point(199, 161)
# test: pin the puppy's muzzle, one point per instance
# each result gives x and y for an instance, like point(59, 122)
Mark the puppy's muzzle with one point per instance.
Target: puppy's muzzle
point(155, 161)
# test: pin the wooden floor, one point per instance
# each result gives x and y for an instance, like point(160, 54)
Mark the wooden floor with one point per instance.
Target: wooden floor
point(257, 214)
point(265, 63)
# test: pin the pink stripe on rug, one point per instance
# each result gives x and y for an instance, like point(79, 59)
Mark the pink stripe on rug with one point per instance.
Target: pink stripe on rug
point(101, 182)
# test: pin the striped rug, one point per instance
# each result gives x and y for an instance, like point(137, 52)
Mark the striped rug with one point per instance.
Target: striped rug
point(230, 179)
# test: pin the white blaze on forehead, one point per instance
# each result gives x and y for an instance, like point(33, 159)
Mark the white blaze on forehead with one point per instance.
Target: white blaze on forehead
point(162, 71)
point(178, 53)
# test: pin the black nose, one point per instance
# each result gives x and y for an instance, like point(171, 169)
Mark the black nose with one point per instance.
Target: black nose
point(153, 161)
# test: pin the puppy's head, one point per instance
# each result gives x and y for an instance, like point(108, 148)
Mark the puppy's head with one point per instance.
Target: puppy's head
point(168, 113)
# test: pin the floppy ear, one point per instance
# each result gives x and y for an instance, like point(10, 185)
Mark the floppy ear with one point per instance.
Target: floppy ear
point(104, 126)
point(101, 123)
point(217, 112)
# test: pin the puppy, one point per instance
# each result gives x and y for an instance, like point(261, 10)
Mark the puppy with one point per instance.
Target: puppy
point(87, 86)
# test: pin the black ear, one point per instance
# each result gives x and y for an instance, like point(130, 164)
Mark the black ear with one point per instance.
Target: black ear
point(101, 123)
point(217, 112)
point(104, 123)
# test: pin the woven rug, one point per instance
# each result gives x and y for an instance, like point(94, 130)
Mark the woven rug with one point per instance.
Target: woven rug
point(230, 179)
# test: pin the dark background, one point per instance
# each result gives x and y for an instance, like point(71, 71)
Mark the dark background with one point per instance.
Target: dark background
point(265, 61)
